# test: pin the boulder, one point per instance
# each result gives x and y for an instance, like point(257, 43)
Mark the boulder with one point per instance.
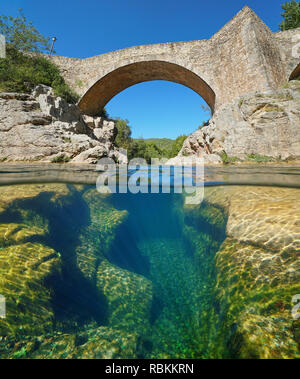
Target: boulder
point(42, 127)
point(262, 123)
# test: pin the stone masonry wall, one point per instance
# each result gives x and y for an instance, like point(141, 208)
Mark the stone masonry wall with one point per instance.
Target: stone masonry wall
point(244, 56)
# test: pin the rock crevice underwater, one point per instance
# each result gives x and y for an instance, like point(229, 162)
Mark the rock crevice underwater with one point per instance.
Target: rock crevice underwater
point(146, 276)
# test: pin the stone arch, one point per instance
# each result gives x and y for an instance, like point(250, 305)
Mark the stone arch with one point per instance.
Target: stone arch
point(99, 94)
point(296, 73)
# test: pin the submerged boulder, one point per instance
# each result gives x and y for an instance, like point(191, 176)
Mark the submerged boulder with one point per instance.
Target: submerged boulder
point(129, 297)
point(94, 343)
point(24, 268)
point(257, 273)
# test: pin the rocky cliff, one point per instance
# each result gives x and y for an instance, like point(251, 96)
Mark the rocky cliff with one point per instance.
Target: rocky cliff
point(265, 124)
point(41, 127)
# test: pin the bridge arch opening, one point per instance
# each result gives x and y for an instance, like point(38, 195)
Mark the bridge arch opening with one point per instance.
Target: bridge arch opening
point(296, 73)
point(124, 77)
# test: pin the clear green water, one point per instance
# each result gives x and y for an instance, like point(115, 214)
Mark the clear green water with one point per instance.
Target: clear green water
point(145, 276)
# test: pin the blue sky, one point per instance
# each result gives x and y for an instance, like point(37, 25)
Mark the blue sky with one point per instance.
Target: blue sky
point(91, 27)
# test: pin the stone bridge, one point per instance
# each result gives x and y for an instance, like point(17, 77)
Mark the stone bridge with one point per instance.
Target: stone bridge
point(243, 57)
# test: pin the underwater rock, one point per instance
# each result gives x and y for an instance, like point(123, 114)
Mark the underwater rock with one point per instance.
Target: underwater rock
point(24, 268)
point(264, 216)
point(94, 343)
point(97, 237)
point(16, 233)
point(261, 337)
point(129, 297)
point(258, 272)
point(8, 194)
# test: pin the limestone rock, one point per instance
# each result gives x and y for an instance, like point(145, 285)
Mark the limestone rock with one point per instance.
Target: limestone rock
point(9, 194)
point(258, 271)
point(94, 343)
point(97, 237)
point(41, 127)
point(129, 297)
point(262, 123)
point(24, 267)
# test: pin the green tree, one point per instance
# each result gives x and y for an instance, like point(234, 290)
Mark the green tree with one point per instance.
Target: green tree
point(177, 145)
point(123, 138)
point(291, 15)
point(21, 35)
point(139, 148)
point(21, 73)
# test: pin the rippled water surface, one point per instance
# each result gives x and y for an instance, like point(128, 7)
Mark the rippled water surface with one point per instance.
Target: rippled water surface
point(86, 275)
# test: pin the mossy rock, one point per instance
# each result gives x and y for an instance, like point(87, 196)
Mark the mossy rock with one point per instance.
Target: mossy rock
point(254, 290)
point(129, 297)
point(95, 343)
point(24, 268)
point(260, 337)
point(9, 194)
point(209, 214)
point(17, 233)
point(97, 237)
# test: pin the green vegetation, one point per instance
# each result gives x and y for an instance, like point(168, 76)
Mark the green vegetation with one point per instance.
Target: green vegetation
point(21, 70)
point(21, 73)
point(149, 148)
point(20, 354)
point(291, 15)
point(21, 35)
point(142, 149)
point(227, 160)
point(177, 145)
point(162, 143)
point(123, 138)
point(60, 159)
point(260, 158)
point(102, 113)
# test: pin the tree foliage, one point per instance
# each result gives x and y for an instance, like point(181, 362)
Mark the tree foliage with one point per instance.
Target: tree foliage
point(21, 35)
point(291, 15)
point(177, 145)
point(147, 149)
point(141, 149)
point(22, 72)
point(123, 138)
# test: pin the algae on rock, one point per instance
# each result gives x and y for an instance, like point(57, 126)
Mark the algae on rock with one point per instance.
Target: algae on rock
point(258, 272)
